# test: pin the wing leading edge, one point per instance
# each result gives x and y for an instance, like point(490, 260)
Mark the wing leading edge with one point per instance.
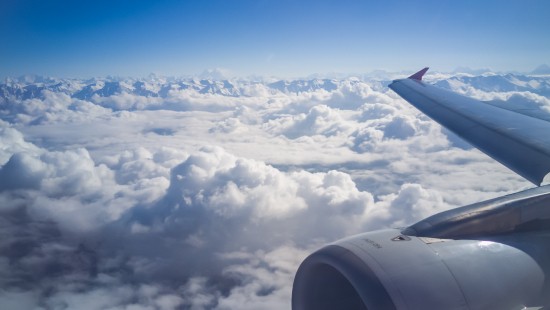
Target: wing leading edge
point(518, 141)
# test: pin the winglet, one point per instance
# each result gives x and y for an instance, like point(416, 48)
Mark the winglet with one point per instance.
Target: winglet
point(418, 75)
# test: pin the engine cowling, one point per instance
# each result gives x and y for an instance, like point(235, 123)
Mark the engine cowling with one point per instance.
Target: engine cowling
point(389, 270)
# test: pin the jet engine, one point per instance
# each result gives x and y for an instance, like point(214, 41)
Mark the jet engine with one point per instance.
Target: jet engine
point(489, 255)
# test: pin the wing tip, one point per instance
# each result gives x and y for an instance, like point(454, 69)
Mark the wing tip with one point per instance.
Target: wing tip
point(418, 75)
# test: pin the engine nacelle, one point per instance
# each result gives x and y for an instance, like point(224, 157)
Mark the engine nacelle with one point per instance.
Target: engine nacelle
point(389, 270)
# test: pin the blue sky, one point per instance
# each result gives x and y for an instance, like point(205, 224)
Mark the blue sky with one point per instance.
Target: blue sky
point(285, 38)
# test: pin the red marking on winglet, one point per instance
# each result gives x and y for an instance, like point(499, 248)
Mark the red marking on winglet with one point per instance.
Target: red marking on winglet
point(418, 75)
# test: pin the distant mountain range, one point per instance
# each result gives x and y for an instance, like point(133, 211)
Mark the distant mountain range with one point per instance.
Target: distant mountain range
point(32, 87)
point(500, 83)
point(27, 88)
point(542, 69)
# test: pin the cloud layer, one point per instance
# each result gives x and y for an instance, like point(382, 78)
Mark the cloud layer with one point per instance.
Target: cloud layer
point(199, 194)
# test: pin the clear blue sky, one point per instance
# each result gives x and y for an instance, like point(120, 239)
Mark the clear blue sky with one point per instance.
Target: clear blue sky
point(269, 37)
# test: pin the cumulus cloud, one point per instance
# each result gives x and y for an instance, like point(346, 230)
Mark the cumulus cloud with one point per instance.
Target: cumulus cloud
point(12, 142)
point(215, 206)
point(320, 120)
point(165, 193)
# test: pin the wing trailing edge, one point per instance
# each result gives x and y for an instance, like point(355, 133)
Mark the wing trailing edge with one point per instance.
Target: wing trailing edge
point(518, 141)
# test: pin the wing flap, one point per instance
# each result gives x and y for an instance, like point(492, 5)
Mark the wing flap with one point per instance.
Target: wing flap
point(518, 141)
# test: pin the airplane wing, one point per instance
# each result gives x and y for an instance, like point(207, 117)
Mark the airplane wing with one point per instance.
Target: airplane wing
point(520, 142)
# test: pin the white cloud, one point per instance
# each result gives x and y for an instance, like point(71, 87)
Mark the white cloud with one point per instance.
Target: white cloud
point(320, 120)
point(165, 193)
point(12, 141)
